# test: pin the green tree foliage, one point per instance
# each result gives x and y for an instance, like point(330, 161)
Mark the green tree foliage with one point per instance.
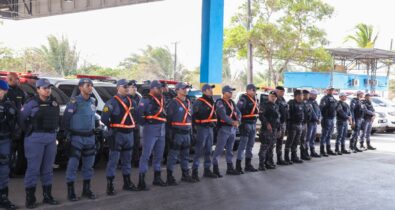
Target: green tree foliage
point(283, 31)
point(363, 36)
point(60, 55)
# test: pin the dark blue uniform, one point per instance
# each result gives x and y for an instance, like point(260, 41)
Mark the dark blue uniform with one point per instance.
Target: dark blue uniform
point(342, 117)
point(249, 109)
point(328, 106)
point(118, 117)
point(179, 118)
point(227, 112)
point(40, 120)
point(294, 127)
point(357, 113)
point(136, 135)
point(79, 120)
point(312, 124)
point(367, 122)
point(304, 142)
point(205, 119)
point(283, 109)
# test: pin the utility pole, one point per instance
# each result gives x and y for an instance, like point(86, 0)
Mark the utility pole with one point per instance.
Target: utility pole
point(175, 60)
point(250, 57)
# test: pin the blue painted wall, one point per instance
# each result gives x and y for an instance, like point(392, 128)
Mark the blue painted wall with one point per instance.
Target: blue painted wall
point(340, 81)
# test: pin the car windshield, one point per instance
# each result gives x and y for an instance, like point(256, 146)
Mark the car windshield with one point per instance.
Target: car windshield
point(106, 92)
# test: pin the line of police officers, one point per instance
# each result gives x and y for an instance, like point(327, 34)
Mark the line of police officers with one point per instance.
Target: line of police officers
point(158, 115)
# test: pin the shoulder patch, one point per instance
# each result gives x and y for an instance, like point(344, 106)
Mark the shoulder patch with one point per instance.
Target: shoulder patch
point(106, 109)
point(73, 100)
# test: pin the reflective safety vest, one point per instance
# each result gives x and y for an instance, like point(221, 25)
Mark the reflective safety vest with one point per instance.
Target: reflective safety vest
point(210, 117)
point(186, 109)
point(232, 114)
point(125, 116)
point(254, 111)
point(157, 115)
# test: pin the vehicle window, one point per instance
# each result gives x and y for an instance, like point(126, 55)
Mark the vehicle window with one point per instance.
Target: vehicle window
point(106, 92)
point(67, 89)
point(61, 98)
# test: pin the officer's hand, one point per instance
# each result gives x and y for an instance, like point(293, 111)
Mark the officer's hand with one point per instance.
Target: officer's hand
point(353, 125)
point(269, 128)
point(235, 123)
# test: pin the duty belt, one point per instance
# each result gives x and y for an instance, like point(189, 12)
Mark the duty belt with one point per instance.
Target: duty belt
point(82, 133)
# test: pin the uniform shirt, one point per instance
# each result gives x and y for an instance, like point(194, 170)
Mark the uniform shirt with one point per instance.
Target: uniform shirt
point(8, 117)
point(148, 107)
point(343, 111)
point(221, 110)
point(201, 111)
point(328, 106)
point(295, 111)
point(369, 110)
point(270, 114)
point(16, 95)
point(283, 109)
point(316, 112)
point(113, 107)
point(176, 113)
point(357, 109)
point(245, 105)
point(308, 111)
point(80, 120)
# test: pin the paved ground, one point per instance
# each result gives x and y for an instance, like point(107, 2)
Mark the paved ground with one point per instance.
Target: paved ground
point(358, 181)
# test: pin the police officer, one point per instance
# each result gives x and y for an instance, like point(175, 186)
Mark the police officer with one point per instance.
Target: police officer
point(357, 114)
point(270, 118)
point(179, 118)
point(228, 120)
point(118, 117)
point(308, 112)
point(152, 116)
point(39, 118)
point(249, 108)
point(80, 120)
point(168, 95)
point(136, 131)
point(367, 123)
point(8, 118)
point(312, 123)
point(294, 127)
point(328, 106)
point(343, 117)
point(205, 119)
point(283, 109)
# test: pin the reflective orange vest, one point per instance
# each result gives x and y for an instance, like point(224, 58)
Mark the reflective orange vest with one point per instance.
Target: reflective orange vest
point(125, 116)
point(210, 117)
point(254, 108)
point(156, 116)
point(232, 110)
point(186, 109)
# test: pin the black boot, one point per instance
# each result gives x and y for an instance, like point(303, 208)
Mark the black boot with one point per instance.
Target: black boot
point(209, 174)
point(195, 175)
point(329, 151)
point(286, 157)
point(230, 170)
point(322, 151)
point(262, 166)
point(31, 198)
point(370, 146)
point(142, 186)
point(304, 154)
point(355, 147)
point(238, 167)
point(110, 186)
point(280, 161)
point(47, 195)
point(249, 167)
point(362, 146)
point(337, 150)
point(269, 165)
point(186, 176)
point(71, 192)
point(171, 181)
point(314, 154)
point(344, 151)
point(295, 158)
point(158, 180)
point(128, 184)
point(216, 171)
point(86, 190)
point(4, 202)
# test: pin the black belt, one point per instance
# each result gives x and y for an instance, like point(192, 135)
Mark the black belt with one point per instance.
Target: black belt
point(44, 131)
point(82, 133)
point(181, 131)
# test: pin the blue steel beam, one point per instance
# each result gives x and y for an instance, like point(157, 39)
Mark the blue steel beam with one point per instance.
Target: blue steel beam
point(212, 43)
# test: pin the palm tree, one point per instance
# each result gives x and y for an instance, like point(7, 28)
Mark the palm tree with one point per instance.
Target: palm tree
point(363, 36)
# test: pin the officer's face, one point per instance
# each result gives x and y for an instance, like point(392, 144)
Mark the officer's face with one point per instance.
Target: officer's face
point(272, 98)
point(182, 92)
point(44, 91)
point(343, 98)
point(123, 90)
point(2, 93)
point(306, 96)
point(12, 80)
point(228, 95)
point(280, 93)
point(86, 88)
point(313, 97)
point(330, 91)
point(208, 92)
point(132, 90)
point(251, 92)
point(157, 91)
point(367, 98)
point(360, 95)
point(299, 98)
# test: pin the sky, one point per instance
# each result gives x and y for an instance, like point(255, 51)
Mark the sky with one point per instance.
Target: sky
point(106, 37)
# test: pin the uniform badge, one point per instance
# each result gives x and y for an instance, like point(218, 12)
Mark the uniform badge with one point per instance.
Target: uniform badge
point(105, 109)
point(54, 103)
